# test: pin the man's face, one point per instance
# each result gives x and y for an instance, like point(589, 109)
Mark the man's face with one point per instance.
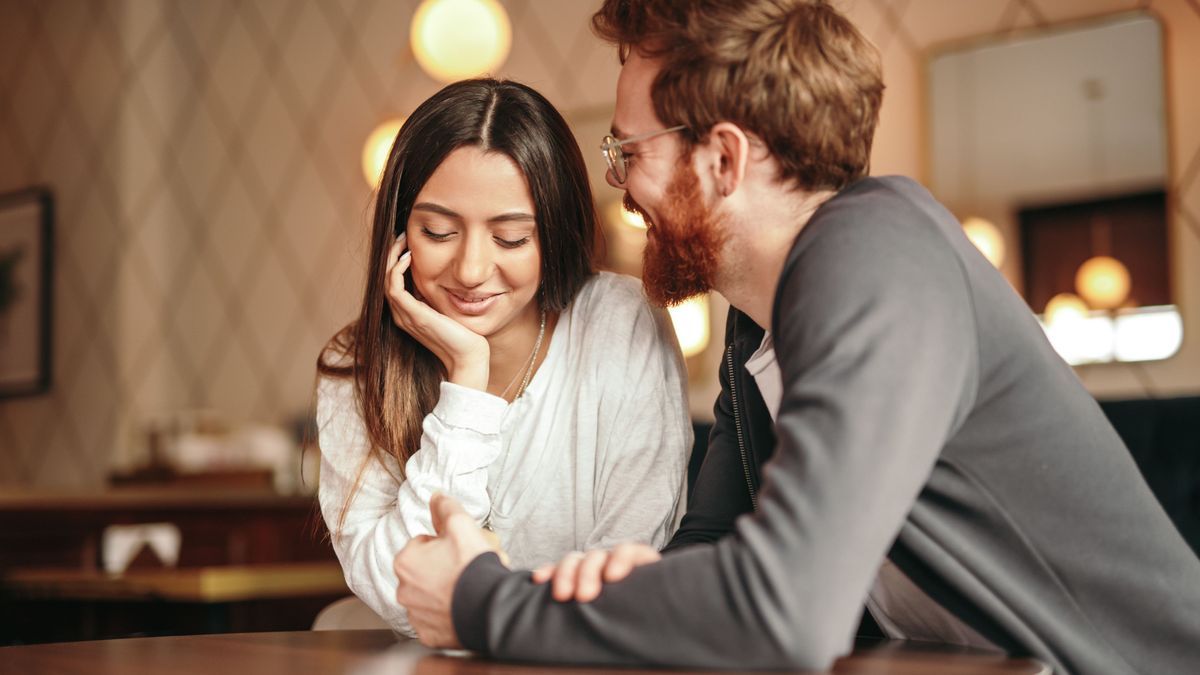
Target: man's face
point(684, 236)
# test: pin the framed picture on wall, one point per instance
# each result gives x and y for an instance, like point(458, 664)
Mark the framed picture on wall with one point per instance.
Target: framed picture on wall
point(26, 221)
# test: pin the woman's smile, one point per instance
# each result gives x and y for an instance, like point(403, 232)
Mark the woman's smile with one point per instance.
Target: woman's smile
point(472, 303)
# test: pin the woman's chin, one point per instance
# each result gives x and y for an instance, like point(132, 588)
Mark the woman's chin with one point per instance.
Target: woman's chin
point(483, 324)
point(478, 323)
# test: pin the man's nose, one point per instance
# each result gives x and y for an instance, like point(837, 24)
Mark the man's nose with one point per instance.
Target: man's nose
point(474, 263)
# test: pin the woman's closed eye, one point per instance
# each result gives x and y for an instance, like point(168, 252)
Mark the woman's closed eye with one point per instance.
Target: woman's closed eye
point(502, 241)
point(436, 236)
point(511, 243)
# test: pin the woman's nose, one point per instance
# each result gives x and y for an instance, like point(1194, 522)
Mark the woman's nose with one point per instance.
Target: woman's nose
point(474, 264)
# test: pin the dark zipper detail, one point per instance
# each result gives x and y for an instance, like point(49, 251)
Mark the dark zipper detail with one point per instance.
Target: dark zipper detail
point(737, 423)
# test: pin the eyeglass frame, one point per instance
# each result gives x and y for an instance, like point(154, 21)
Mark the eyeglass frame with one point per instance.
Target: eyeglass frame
point(611, 143)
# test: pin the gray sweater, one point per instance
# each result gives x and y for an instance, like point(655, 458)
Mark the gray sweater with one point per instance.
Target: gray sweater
point(926, 418)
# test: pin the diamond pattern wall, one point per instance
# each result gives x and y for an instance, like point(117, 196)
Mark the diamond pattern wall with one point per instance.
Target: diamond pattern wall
point(211, 212)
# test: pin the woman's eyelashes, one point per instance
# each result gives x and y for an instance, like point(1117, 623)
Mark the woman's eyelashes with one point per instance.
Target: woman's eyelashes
point(436, 236)
point(502, 241)
point(511, 243)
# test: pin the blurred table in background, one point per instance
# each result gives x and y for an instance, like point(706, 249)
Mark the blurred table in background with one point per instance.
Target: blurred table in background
point(220, 526)
point(221, 584)
point(249, 560)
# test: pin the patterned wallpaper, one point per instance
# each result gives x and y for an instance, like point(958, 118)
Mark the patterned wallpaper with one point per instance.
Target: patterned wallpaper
point(211, 212)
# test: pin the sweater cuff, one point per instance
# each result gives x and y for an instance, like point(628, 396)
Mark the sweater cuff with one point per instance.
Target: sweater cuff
point(467, 408)
point(468, 606)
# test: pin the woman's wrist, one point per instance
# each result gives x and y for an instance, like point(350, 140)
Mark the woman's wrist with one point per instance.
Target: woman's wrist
point(472, 373)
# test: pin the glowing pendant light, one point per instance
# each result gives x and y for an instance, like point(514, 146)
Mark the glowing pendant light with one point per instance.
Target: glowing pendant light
point(987, 238)
point(1103, 282)
point(376, 150)
point(458, 39)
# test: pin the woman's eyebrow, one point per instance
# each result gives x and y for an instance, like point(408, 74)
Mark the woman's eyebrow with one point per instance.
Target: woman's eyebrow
point(436, 208)
point(512, 216)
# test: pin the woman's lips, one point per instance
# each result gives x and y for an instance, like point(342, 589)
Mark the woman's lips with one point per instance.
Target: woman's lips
point(474, 304)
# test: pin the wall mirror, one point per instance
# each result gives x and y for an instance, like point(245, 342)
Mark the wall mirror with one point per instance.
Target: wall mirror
point(1051, 148)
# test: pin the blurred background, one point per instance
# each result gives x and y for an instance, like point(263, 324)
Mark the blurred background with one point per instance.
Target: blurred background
point(208, 169)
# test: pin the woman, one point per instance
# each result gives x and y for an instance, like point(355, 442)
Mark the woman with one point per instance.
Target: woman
point(490, 361)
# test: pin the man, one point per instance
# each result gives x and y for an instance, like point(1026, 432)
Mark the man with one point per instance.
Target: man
point(930, 457)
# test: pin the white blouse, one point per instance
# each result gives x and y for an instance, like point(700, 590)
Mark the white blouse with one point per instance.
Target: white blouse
point(593, 453)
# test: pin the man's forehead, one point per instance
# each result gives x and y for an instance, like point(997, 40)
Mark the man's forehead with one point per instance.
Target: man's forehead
point(634, 109)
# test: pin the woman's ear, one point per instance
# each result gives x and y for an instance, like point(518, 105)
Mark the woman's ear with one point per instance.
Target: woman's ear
point(728, 154)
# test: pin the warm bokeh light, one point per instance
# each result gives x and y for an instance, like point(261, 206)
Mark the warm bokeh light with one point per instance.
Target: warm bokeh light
point(1065, 307)
point(457, 39)
point(691, 324)
point(375, 150)
point(1141, 334)
point(987, 238)
point(617, 213)
point(1103, 282)
point(1082, 340)
point(1148, 334)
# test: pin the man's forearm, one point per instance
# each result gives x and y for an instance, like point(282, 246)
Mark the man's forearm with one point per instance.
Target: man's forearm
point(732, 623)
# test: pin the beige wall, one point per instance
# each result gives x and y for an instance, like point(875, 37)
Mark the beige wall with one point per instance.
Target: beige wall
point(905, 31)
point(210, 206)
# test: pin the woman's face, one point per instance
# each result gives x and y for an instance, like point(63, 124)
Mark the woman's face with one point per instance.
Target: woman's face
point(473, 237)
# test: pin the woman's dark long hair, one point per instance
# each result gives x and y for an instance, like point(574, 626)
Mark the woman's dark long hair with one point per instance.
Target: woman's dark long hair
point(396, 378)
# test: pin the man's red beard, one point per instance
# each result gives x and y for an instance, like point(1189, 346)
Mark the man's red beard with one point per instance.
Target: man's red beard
point(682, 244)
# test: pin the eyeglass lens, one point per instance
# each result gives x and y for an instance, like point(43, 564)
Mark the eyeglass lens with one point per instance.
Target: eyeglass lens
point(615, 157)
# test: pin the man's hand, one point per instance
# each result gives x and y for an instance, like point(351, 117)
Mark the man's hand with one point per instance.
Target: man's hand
point(580, 576)
point(428, 568)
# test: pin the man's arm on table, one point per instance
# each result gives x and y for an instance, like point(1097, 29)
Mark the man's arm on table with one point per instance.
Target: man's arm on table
point(876, 372)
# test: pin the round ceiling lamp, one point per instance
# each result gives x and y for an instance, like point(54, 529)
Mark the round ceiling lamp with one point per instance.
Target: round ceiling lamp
point(987, 238)
point(1103, 282)
point(1065, 307)
point(458, 39)
point(376, 149)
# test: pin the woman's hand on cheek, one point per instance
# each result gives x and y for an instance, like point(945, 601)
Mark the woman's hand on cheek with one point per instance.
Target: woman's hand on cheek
point(464, 353)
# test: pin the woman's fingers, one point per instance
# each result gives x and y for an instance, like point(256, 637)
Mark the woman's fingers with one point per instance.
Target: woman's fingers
point(402, 303)
point(587, 581)
point(394, 252)
point(581, 576)
point(563, 587)
point(543, 574)
point(625, 557)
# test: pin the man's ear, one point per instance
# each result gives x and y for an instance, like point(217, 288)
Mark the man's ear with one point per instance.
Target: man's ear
point(727, 157)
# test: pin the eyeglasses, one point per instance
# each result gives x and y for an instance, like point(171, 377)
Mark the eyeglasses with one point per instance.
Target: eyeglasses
point(611, 147)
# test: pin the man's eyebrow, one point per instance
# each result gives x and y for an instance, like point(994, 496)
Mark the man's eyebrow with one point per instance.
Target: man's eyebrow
point(510, 217)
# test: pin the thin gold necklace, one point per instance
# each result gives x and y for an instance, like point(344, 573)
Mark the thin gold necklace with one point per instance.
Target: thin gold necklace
point(528, 369)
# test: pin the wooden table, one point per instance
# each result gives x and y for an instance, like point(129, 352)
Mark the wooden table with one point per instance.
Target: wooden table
point(54, 605)
point(371, 652)
point(53, 590)
point(40, 528)
point(222, 583)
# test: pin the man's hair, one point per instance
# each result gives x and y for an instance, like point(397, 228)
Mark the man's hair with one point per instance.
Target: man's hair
point(795, 73)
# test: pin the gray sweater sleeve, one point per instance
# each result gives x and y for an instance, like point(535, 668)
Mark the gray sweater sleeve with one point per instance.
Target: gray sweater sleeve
point(874, 334)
